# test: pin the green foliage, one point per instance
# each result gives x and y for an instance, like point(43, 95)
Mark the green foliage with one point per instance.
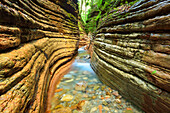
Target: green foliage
point(99, 9)
point(153, 72)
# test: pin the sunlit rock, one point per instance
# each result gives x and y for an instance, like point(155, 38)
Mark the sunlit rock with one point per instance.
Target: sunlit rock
point(37, 38)
point(66, 97)
point(81, 86)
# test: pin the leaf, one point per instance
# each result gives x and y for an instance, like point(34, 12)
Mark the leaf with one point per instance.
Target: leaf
point(153, 72)
point(98, 16)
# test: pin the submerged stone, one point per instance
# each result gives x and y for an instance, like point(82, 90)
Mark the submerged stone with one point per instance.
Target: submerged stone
point(93, 109)
point(81, 86)
point(104, 103)
point(67, 97)
point(63, 110)
point(96, 87)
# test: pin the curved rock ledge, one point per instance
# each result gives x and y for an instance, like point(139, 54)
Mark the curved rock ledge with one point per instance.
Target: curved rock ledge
point(131, 53)
point(36, 38)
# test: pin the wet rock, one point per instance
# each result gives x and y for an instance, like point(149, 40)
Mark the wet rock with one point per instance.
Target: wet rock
point(91, 85)
point(103, 87)
point(81, 86)
point(85, 95)
point(115, 93)
point(80, 105)
point(91, 92)
point(106, 108)
point(73, 103)
point(93, 97)
point(118, 101)
point(58, 90)
point(59, 106)
point(104, 103)
point(118, 97)
point(119, 106)
point(75, 111)
point(88, 99)
point(66, 97)
point(74, 92)
point(86, 72)
point(85, 78)
point(63, 110)
point(96, 87)
point(70, 80)
point(107, 97)
point(128, 110)
point(108, 93)
point(93, 110)
point(77, 79)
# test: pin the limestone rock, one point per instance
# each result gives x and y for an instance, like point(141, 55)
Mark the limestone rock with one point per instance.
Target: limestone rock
point(131, 54)
point(36, 37)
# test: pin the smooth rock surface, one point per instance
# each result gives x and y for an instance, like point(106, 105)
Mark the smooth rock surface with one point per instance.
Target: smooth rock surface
point(36, 37)
point(131, 54)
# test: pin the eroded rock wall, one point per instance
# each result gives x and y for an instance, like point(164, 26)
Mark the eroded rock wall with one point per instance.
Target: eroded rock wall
point(36, 38)
point(131, 53)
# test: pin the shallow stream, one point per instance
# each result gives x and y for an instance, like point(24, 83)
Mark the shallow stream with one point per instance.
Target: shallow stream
point(80, 91)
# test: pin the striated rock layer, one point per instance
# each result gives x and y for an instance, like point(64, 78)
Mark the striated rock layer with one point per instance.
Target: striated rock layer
point(131, 53)
point(36, 38)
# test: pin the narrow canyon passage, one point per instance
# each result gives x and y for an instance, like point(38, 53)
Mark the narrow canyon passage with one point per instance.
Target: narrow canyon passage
point(80, 91)
point(84, 56)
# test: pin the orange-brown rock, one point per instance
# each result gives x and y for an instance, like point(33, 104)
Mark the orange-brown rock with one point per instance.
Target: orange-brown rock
point(36, 38)
point(131, 54)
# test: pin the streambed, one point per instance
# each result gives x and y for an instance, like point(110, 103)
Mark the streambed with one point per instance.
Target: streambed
point(80, 91)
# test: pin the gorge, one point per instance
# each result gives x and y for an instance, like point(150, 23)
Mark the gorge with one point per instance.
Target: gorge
point(128, 43)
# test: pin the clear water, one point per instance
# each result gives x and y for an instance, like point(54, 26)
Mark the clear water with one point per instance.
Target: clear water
point(95, 94)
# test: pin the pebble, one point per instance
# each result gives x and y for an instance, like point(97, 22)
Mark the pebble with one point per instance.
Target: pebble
point(91, 85)
point(115, 93)
point(85, 78)
point(96, 87)
point(69, 80)
point(93, 97)
point(85, 95)
point(92, 92)
point(118, 97)
point(67, 97)
point(105, 103)
point(77, 79)
point(74, 92)
point(108, 93)
point(106, 108)
point(86, 72)
point(95, 94)
point(93, 109)
point(81, 86)
point(118, 101)
point(103, 87)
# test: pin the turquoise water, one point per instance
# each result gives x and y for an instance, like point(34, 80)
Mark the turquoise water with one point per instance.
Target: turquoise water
point(82, 91)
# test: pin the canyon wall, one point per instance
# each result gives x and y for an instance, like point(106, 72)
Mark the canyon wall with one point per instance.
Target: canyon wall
point(37, 37)
point(131, 53)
